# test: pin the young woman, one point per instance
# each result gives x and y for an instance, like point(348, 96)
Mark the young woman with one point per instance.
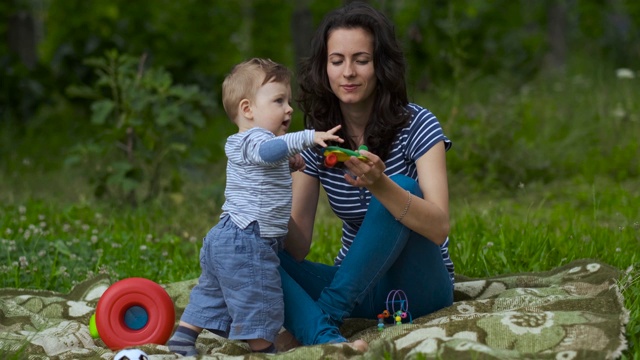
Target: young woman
point(394, 206)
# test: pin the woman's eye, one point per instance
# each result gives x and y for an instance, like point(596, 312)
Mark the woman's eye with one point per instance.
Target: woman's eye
point(363, 62)
point(336, 63)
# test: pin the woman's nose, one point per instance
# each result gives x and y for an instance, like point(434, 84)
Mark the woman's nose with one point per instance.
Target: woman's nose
point(348, 70)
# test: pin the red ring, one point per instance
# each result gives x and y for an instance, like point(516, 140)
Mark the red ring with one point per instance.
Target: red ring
point(125, 294)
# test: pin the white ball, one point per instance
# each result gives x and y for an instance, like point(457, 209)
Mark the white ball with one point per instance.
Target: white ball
point(131, 354)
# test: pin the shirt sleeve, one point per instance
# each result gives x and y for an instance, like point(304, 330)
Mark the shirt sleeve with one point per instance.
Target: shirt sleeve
point(312, 158)
point(259, 146)
point(424, 132)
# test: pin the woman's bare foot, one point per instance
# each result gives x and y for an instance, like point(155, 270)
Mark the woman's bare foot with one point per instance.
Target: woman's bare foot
point(359, 345)
point(285, 341)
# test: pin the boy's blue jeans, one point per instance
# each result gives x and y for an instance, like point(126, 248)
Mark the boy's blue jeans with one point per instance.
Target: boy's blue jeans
point(385, 255)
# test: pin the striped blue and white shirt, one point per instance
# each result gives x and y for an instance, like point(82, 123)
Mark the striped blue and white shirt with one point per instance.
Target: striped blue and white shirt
point(350, 203)
point(259, 179)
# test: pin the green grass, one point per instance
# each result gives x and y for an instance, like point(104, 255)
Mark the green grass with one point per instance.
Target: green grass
point(53, 245)
point(540, 175)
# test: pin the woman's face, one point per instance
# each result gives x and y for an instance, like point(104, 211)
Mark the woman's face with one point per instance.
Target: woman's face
point(350, 66)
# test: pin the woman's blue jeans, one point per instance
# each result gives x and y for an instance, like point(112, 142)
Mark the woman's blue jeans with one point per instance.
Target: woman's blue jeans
point(385, 256)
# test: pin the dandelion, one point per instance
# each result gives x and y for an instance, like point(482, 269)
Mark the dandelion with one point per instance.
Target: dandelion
point(27, 235)
point(26, 162)
point(624, 73)
point(94, 231)
point(619, 112)
point(66, 227)
point(94, 239)
point(85, 227)
point(618, 250)
point(8, 231)
point(42, 253)
point(149, 237)
point(23, 218)
point(23, 262)
point(43, 224)
point(22, 209)
point(192, 239)
point(103, 269)
point(143, 247)
point(489, 244)
point(521, 185)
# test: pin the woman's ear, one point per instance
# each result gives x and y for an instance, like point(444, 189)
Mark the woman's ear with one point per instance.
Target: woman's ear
point(245, 109)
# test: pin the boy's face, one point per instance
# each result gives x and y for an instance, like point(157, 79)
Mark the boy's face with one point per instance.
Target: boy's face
point(271, 107)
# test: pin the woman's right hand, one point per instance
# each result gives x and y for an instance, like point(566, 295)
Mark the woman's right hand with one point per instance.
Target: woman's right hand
point(364, 172)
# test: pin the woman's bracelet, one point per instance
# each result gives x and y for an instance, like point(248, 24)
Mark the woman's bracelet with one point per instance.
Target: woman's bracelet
point(406, 207)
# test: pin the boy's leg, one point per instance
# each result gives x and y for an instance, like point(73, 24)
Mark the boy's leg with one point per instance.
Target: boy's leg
point(250, 281)
point(206, 308)
point(183, 341)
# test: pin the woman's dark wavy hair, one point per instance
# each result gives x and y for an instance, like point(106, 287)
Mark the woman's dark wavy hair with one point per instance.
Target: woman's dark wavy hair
point(321, 107)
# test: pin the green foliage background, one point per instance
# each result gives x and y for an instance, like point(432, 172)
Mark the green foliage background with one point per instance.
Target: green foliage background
point(451, 46)
point(544, 168)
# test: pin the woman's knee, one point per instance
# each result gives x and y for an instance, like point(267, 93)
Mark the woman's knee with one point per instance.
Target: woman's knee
point(407, 183)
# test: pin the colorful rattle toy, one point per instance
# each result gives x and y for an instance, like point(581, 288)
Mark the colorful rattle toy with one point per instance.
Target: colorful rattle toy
point(335, 154)
point(395, 298)
point(133, 311)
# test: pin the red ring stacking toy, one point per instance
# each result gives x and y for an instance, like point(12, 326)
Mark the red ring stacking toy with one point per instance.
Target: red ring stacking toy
point(134, 311)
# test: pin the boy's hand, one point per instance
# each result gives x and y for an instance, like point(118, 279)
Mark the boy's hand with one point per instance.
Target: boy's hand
point(296, 163)
point(320, 136)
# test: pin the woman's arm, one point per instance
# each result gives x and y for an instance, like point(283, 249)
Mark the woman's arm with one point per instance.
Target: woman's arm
point(306, 190)
point(428, 216)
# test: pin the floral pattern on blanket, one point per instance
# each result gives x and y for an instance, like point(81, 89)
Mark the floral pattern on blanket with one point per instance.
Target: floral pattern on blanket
point(572, 312)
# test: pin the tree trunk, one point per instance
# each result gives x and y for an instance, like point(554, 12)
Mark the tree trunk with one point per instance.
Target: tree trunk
point(22, 38)
point(302, 28)
point(556, 57)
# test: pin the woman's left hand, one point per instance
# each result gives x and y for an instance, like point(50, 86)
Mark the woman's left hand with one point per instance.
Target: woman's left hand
point(364, 172)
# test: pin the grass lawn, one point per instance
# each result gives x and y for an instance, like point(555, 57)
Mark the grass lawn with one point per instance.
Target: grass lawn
point(57, 237)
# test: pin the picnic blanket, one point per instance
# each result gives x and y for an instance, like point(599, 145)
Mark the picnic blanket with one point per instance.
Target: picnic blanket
point(572, 312)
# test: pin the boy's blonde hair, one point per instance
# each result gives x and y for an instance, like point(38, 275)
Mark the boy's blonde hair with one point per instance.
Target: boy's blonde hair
point(246, 78)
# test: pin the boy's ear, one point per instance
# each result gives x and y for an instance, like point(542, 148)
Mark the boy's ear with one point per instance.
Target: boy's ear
point(245, 109)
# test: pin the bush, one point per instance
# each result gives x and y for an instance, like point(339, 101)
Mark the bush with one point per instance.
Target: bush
point(144, 127)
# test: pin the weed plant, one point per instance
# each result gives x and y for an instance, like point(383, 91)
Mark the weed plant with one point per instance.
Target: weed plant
point(539, 176)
